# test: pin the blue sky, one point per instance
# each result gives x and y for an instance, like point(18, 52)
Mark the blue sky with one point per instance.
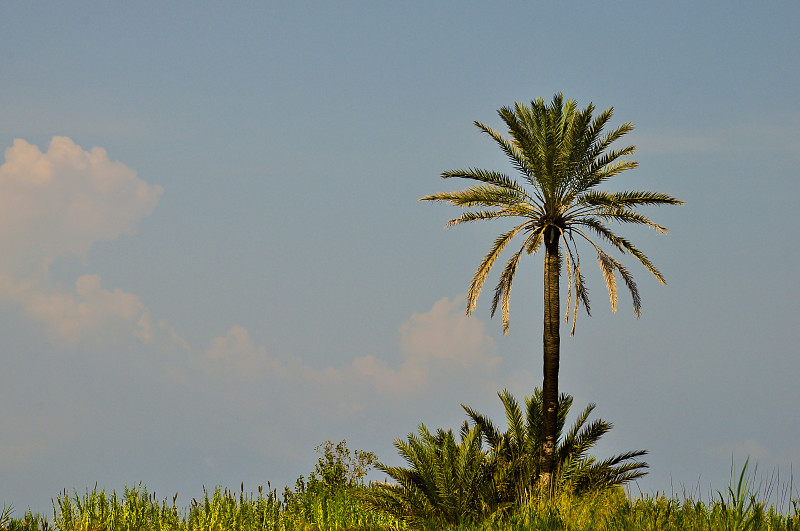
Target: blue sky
point(214, 258)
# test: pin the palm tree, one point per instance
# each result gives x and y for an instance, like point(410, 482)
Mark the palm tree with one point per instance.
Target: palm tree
point(563, 159)
point(447, 482)
point(516, 452)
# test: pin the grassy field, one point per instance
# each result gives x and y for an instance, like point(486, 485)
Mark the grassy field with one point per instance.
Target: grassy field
point(137, 509)
point(331, 498)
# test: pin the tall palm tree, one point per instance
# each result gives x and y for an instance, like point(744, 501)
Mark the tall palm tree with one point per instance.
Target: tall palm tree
point(563, 158)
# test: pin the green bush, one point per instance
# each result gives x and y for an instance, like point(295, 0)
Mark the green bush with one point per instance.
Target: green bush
point(455, 482)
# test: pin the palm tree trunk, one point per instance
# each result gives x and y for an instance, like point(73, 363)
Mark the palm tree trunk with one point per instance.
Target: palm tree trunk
point(552, 343)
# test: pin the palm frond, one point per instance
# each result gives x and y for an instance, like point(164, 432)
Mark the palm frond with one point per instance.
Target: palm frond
point(479, 215)
point(602, 168)
point(570, 275)
point(617, 459)
point(565, 449)
point(488, 195)
point(502, 291)
point(620, 243)
point(527, 126)
point(611, 169)
point(600, 145)
point(595, 158)
point(564, 407)
point(486, 266)
point(574, 149)
point(535, 423)
point(631, 285)
point(487, 428)
point(576, 277)
point(587, 437)
point(575, 282)
point(514, 153)
point(607, 268)
point(518, 122)
point(626, 199)
point(516, 425)
point(494, 178)
point(623, 215)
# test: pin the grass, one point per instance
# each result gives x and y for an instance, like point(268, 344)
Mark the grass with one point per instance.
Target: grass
point(138, 510)
point(317, 506)
point(221, 510)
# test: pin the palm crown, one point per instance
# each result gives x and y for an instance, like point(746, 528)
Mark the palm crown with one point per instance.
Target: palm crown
point(562, 156)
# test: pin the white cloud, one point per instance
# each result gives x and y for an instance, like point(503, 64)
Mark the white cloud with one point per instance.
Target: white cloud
point(446, 334)
point(56, 204)
point(236, 354)
point(90, 313)
point(437, 346)
point(92, 310)
point(60, 202)
point(442, 341)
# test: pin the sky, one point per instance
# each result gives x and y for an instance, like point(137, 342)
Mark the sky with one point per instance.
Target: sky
point(213, 257)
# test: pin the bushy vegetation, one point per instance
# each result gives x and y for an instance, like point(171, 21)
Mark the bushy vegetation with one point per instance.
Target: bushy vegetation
point(607, 510)
point(326, 500)
point(451, 481)
point(334, 497)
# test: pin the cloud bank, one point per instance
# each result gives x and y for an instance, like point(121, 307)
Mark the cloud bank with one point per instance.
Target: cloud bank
point(56, 204)
point(60, 202)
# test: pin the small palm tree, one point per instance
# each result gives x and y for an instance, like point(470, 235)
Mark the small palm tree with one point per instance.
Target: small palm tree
point(516, 452)
point(563, 157)
point(448, 482)
point(451, 482)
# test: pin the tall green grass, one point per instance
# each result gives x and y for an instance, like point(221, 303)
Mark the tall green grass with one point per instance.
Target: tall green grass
point(321, 504)
point(222, 510)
